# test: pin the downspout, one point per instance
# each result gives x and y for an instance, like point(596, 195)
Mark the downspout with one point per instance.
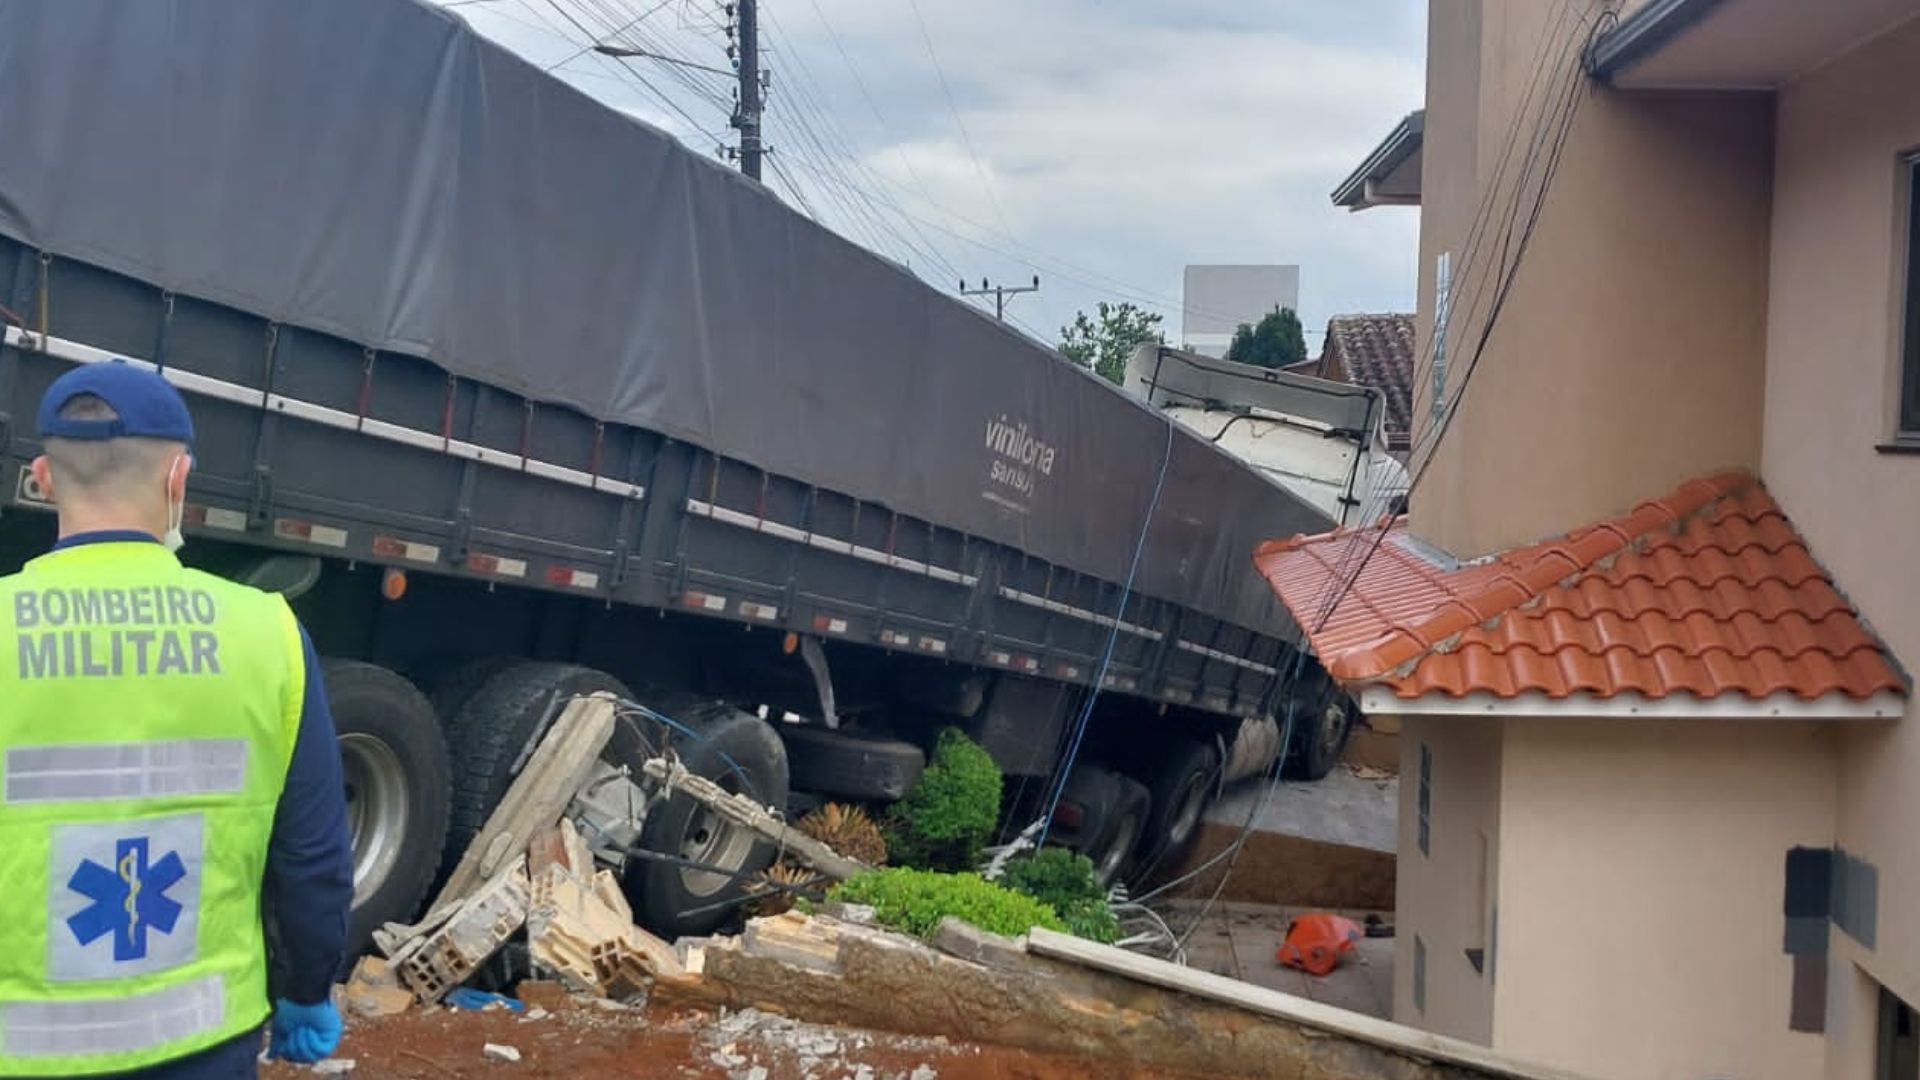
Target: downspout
point(1348, 500)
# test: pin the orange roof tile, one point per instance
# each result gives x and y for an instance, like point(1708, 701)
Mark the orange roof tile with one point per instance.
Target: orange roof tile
point(1707, 591)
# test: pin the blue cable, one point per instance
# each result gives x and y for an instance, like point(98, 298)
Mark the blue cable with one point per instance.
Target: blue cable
point(702, 736)
point(1113, 640)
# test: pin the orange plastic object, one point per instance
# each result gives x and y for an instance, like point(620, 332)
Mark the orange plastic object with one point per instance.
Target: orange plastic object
point(1317, 943)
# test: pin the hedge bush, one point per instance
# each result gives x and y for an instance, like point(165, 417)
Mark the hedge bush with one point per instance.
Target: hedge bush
point(914, 901)
point(947, 817)
point(1064, 880)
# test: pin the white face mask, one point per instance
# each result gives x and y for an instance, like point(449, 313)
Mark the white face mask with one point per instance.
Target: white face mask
point(173, 540)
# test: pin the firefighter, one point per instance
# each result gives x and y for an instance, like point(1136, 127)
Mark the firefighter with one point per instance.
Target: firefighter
point(169, 770)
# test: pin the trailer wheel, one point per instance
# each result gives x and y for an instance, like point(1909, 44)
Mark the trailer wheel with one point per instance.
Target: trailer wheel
point(451, 684)
point(1109, 815)
point(1181, 787)
point(495, 725)
point(393, 761)
point(742, 753)
point(1126, 821)
point(1319, 736)
point(851, 766)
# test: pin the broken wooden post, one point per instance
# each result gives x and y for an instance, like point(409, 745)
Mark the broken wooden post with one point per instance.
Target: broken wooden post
point(744, 812)
point(539, 795)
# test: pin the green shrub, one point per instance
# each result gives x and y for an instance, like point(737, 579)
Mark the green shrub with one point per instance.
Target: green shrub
point(1064, 880)
point(946, 818)
point(914, 901)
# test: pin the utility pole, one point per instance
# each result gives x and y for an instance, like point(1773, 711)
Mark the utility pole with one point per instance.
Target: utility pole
point(746, 116)
point(1000, 294)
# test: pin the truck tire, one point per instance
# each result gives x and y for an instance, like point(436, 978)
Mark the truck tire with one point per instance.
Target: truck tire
point(1320, 736)
point(451, 684)
point(1181, 787)
point(393, 760)
point(1112, 853)
point(495, 725)
point(742, 753)
point(850, 766)
point(1111, 812)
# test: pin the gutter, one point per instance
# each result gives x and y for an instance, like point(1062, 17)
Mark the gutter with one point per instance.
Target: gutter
point(1643, 33)
point(1396, 148)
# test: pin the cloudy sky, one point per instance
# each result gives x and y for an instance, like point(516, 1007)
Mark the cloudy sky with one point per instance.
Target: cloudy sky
point(1101, 144)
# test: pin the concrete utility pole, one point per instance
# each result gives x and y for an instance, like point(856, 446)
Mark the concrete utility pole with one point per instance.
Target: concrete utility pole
point(746, 116)
point(1000, 294)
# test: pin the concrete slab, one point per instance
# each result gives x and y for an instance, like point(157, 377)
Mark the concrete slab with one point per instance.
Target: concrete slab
point(1343, 809)
point(1239, 940)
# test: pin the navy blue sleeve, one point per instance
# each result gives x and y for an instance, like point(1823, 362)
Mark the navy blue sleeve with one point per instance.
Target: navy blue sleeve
point(309, 881)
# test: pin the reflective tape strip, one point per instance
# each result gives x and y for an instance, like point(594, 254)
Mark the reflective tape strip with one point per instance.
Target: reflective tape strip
point(114, 1025)
point(145, 770)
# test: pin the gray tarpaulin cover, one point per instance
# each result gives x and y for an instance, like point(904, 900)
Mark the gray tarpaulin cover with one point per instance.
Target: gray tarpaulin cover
point(378, 170)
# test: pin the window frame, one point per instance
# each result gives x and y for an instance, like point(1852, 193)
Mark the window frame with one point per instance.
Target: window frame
point(1906, 411)
point(1424, 802)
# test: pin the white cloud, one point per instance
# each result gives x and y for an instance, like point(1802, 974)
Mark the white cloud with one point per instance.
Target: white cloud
point(1118, 139)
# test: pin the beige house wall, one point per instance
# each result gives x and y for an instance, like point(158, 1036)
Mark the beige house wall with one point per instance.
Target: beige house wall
point(1638, 325)
point(1444, 897)
point(1641, 894)
point(1833, 345)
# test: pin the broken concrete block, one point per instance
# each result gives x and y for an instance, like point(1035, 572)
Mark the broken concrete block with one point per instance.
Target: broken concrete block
point(794, 939)
point(607, 888)
point(374, 990)
point(497, 1052)
point(692, 953)
point(541, 993)
point(432, 965)
point(590, 945)
point(956, 937)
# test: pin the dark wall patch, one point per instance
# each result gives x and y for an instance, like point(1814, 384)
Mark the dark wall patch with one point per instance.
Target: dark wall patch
point(1856, 897)
point(1809, 883)
point(1824, 887)
point(1809, 1012)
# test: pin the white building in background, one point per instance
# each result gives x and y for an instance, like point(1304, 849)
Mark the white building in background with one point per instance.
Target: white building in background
point(1217, 299)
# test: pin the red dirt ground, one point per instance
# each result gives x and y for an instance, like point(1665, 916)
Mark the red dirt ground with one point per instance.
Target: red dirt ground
point(585, 1041)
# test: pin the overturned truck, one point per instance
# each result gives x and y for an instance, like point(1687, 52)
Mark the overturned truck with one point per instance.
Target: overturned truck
point(516, 399)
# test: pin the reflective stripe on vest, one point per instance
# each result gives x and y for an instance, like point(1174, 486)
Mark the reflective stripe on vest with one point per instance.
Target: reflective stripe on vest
point(150, 715)
point(44, 1029)
point(125, 770)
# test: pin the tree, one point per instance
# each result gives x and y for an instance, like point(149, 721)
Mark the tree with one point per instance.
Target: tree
point(1276, 342)
point(1105, 346)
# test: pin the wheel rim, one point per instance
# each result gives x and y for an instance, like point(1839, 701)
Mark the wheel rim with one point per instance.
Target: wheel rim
point(377, 809)
point(1187, 817)
point(1124, 836)
point(715, 841)
point(1333, 724)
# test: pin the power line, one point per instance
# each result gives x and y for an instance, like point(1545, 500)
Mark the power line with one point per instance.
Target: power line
point(816, 124)
point(966, 140)
point(623, 29)
point(1557, 120)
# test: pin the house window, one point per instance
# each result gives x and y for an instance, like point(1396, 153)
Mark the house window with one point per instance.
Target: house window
point(1477, 952)
point(1909, 420)
point(1426, 800)
point(1419, 974)
point(1442, 315)
point(1899, 1039)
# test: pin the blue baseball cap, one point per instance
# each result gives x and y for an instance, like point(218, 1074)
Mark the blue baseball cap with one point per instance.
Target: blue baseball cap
point(146, 404)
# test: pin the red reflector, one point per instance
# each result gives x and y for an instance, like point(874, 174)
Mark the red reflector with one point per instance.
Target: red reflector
point(1070, 814)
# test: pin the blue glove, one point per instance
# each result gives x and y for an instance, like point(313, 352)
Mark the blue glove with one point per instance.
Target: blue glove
point(303, 1033)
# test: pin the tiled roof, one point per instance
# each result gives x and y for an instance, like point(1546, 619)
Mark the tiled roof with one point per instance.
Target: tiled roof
point(1709, 591)
point(1375, 351)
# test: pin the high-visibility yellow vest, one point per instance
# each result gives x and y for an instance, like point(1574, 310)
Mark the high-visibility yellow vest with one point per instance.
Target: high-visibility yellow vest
point(147, 716)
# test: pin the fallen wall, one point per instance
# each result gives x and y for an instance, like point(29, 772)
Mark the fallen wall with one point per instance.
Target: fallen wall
point(1059, 994)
